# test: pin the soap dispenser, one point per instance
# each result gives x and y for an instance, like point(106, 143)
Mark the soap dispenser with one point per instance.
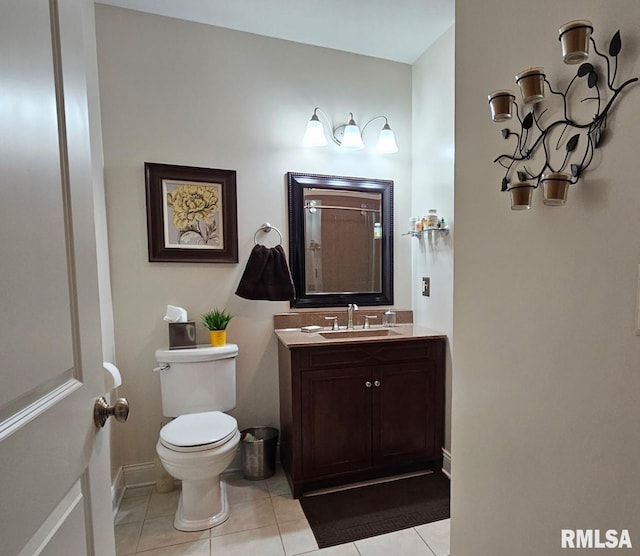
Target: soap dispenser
point(389, 318)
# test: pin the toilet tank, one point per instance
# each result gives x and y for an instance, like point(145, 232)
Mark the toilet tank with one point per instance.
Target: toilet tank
point(197, 379)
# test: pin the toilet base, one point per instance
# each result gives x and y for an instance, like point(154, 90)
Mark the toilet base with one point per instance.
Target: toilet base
point(183, 522)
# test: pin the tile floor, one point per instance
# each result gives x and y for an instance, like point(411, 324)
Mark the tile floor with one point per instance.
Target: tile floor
point(265, 521)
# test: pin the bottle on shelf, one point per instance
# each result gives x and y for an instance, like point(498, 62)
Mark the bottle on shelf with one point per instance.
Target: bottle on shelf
point(432, 218)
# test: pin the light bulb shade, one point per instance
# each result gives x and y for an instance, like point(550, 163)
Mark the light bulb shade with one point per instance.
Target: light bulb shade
point(387, 141)
point(314, 136)
point(352, 138)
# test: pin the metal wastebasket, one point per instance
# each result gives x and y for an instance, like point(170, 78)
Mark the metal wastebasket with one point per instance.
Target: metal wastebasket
point(258, 447)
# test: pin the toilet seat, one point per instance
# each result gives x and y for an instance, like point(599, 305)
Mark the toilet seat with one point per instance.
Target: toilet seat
point(197, 432)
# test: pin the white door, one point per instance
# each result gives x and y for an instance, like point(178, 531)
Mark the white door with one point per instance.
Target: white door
point(50, 341)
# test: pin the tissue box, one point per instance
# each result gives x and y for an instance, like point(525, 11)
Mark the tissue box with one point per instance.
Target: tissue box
point(182, 335)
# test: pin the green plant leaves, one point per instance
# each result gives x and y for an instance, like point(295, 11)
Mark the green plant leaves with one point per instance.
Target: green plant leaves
point(528, 121)
point(218, 319)
point(593, 79)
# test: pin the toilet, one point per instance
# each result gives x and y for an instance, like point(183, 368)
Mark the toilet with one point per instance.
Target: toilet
point(200, 442)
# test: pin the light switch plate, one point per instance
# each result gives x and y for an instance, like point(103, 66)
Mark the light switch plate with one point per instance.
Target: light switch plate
point(638, 304)
point(426, 286)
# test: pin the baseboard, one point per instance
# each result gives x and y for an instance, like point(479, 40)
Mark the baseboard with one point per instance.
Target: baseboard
point(139, 474)
point(144, 474)
point(117, 491)
point(446, 463)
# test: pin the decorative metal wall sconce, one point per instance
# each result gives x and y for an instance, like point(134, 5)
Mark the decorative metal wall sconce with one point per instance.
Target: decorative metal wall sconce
point(348, 136)
point(534, 135)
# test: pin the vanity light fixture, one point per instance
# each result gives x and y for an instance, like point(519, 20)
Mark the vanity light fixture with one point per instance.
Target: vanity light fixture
point(314, 136)
point(348, 136)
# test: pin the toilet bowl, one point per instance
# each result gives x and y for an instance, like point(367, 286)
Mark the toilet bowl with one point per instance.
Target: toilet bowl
point(197, 385)
point(196, 448)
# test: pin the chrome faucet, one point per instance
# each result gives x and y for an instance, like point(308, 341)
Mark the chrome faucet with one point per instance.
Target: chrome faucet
point(350, 309)
point(334, 326)
point(367, 318)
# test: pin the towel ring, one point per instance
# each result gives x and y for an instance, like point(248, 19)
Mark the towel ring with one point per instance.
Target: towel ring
point(266, 228)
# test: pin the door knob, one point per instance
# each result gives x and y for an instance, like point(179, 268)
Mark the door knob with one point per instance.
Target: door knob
point(102, 411)
point(376, 383)
point(368, 384)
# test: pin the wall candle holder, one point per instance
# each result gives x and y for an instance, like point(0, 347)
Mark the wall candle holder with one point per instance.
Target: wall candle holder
point(534, 136)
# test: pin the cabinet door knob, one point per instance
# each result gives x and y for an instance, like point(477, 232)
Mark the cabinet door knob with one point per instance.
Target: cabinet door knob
point(376, 383)
point(368, 384)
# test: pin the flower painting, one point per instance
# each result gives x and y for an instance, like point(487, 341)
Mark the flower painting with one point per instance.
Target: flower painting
point(191, 214)
point(194, 216)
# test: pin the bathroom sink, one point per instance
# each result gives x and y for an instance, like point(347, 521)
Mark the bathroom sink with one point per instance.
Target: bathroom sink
point(362, 333)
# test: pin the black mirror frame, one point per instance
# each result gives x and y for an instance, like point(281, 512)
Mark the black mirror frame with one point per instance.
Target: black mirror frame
point(296, 184)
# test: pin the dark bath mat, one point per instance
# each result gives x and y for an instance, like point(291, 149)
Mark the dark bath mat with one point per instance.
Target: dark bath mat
point(358, 513)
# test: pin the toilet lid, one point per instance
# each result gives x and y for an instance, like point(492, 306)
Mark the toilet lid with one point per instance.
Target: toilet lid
point(198, 431)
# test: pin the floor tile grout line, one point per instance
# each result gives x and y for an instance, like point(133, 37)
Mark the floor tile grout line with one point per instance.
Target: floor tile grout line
point(143, 552)
point(234, 532)
point(146, 510)
point(148, 497)
point(284, 550)
point(172, 545)
point(139, 537)
point(332, 546)
point(425, 542)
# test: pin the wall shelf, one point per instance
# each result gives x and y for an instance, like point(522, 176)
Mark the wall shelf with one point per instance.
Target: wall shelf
point(419, 234)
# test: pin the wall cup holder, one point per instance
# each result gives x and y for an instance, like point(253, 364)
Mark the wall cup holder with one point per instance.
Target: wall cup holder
point(574, 38)
point(556, 187)
point(555, 151)
point(531, 83)
point(501, 104)
point(521, 195)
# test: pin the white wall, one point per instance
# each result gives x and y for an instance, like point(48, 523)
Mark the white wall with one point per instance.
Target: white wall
point(432, 187)
point(545, 383)
point(184, 93)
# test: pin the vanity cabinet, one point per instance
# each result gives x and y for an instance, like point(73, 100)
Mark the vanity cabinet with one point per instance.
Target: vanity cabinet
point(356, 411)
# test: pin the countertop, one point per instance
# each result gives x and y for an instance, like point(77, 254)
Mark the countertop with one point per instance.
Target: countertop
point(293, 337)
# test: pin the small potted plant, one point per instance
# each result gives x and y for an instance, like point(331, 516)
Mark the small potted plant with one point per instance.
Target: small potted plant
point(216, 321)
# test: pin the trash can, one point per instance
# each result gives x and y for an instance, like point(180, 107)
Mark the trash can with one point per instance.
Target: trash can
point(258, 447)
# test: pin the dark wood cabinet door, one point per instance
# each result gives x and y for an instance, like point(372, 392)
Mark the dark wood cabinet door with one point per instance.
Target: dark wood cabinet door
point(336, 421)
point(405, 406)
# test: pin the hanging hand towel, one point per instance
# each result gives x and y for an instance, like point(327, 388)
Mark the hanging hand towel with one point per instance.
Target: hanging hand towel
point(266, 275)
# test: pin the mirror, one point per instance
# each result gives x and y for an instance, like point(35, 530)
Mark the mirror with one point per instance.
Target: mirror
point(340, 240)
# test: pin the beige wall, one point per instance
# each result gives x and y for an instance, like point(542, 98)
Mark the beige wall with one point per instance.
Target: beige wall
point(183, 93)
point(432, 187)
point(545, 383)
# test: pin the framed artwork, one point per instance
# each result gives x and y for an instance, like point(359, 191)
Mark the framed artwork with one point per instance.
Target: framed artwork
point(191, 214)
